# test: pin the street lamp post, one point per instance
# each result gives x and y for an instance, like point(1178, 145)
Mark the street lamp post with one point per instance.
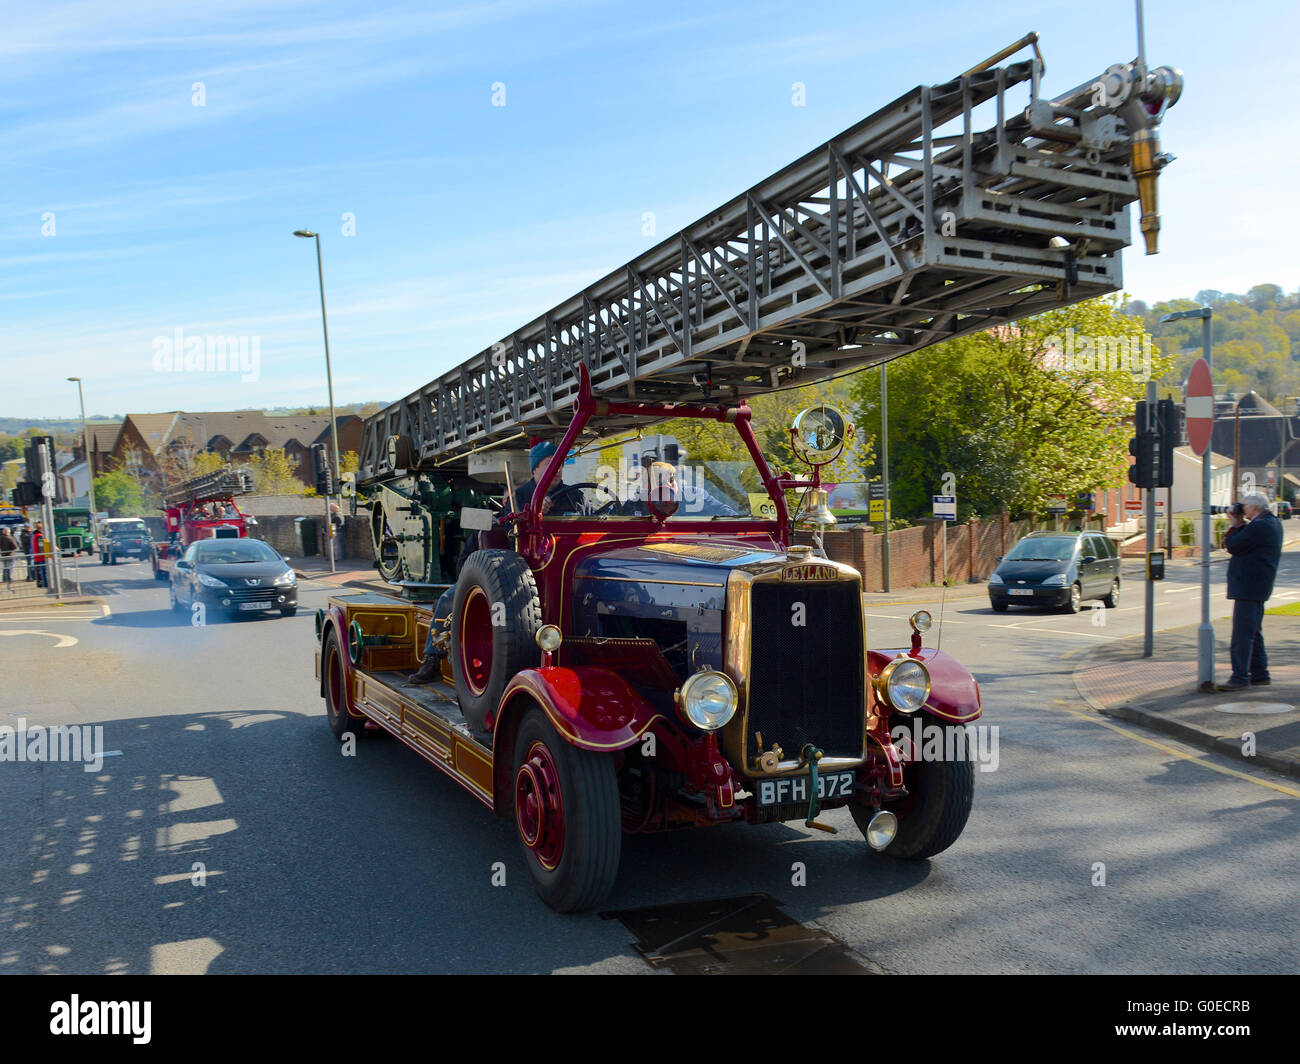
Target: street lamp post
point(1205, 631)
point(329, 380)
point(85, 443)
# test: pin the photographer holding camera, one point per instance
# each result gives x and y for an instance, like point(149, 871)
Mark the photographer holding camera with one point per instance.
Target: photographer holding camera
point(1255, 544)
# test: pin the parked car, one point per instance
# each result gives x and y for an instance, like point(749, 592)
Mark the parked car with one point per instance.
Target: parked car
point(123, 537)
point(1057, 569)
point(234, 576)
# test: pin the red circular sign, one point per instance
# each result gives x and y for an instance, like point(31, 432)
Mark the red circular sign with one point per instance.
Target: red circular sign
point(1199, 409)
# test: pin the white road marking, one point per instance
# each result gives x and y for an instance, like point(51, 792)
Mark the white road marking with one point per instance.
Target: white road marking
point(1180, 590)
point(60, 640)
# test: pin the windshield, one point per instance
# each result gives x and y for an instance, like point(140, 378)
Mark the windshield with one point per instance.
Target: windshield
point(231, 551)
point(1046, 549)
point(698, 491)
point(132, 528)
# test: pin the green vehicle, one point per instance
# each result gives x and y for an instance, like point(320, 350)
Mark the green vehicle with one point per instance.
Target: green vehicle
point(72, 529)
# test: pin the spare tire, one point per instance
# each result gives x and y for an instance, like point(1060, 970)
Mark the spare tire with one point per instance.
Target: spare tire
point(494, 622)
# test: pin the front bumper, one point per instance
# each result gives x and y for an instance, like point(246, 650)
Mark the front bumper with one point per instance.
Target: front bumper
point(1040, 596)
point(232, 599)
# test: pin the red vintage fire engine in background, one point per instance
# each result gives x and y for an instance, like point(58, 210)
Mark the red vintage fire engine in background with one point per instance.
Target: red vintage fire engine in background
point(201, 508)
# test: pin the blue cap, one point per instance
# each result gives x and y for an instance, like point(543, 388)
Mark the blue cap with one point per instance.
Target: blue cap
point(539, 452)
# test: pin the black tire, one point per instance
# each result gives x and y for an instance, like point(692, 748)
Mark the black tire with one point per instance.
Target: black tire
point(289, 611)
point(998, 607)
point(1075, 602)
point(933, 815)
point(160, 574)
point(336, 710)
point(176, 603)
point(1112, 600)
point(494, 585)
point(587, 864)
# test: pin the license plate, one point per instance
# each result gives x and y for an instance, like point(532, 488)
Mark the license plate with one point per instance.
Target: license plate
point(1020, 591)
point(795, 788)
point(254, 605)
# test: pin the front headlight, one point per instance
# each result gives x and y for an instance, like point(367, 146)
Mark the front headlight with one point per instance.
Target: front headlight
point(287, 578)
point(995, 580)
point(708, 699)
point(1055, 581)
point(210, 581)
point(905, 684)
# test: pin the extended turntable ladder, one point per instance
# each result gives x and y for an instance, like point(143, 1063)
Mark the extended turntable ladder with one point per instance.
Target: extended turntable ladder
point(912, 227)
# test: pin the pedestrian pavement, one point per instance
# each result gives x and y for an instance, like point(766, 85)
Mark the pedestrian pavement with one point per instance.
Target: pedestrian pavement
point(349, 572)
point(1259, 725)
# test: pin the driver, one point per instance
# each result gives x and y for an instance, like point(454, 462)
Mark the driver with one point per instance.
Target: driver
point(537, 455)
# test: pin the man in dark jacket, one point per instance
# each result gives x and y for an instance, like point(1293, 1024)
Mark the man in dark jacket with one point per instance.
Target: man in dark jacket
point(1256, 549)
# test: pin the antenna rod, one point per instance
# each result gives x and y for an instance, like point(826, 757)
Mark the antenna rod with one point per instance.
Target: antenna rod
point(1142, 47)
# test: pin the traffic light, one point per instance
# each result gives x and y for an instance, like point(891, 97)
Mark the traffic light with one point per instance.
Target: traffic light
point(324, 475)
point(26, 494)
point(1143, 449)
point(1166, 427)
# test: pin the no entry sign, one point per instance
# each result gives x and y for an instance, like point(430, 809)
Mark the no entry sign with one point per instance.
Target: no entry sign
point(1200, 406)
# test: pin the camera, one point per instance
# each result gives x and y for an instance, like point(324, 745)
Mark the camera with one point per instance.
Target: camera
point(1236, 509)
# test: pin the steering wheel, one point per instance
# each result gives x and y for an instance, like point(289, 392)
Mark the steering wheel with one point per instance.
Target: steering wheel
point(571, 489)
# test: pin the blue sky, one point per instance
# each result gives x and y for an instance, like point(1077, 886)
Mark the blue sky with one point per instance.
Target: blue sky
point(472, 219)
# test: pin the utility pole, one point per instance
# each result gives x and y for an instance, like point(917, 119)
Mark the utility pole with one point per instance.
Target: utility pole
point(329, 380)
point(85, 443)
point(884, 470)
point(1148, 631)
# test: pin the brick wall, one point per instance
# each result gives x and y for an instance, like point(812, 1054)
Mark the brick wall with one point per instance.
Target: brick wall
point(281, 532)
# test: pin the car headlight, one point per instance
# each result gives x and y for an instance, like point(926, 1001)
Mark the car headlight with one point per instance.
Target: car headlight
point(1058, 580)
point(210, 581)
point(708, 699)
point(905, 684)
point(288, 577)
point(995, 580)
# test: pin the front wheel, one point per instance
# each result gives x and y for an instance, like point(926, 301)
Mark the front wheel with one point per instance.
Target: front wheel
point(932, 816)
point(998, 607)
point(288, 611)
point(567, 816)
point(1075, 602)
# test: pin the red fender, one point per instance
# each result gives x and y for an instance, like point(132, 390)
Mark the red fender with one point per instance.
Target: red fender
point(954, 694)
point(336, 620)
point(592, 708)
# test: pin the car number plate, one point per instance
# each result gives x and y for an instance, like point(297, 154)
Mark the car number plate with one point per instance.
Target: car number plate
point(795, 788)
point(254, 605)
point(1020, 591)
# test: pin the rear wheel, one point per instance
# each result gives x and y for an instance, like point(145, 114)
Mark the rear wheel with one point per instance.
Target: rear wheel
point(336, 705)
point(932, 816)
point(567, 816)
point(1112, 600)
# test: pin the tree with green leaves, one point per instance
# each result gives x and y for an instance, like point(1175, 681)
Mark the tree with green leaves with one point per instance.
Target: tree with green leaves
point(273, 474)
point(1017, 414)
point(120, 494)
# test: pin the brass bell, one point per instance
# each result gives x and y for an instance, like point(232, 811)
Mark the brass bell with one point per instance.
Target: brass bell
point(819, 510)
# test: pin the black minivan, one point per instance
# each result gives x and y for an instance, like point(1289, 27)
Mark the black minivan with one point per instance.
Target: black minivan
point(1057, 569)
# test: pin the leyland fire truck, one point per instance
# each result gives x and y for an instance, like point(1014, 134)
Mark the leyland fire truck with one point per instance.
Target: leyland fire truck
point(607, 662)
point(201, 508)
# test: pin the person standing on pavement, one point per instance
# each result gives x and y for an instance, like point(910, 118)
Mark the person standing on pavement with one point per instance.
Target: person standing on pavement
point(8, 549)
point(25, 541)
point(1256, 548)
point(40, 555)
point(336, 531)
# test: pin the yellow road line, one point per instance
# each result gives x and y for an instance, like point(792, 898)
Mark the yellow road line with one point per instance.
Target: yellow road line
point(1198, 759)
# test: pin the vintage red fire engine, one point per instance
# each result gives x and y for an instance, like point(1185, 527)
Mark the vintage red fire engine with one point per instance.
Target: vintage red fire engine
point(609, 661)
point(201, 508)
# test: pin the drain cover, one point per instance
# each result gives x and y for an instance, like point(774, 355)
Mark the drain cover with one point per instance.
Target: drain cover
point(1255, 708)
point(746, 935)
